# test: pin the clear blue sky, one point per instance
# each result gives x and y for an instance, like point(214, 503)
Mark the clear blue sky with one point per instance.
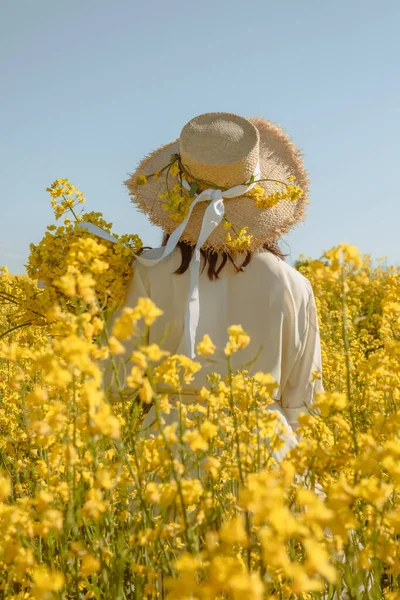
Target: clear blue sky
point(90, 86)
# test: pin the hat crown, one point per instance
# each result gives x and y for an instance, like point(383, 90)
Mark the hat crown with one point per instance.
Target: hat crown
point(220, 148)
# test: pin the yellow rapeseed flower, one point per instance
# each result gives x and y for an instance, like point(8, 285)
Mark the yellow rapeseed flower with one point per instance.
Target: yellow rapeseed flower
point(205, 346)
point(238, 340)
point(5, 487)
point(234, 532)
point(147, 310)
point(46, 581)
point(195, 440)
point(141, 179)
point(146, 392)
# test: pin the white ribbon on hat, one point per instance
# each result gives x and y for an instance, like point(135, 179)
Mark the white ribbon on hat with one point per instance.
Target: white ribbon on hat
point(213, 216)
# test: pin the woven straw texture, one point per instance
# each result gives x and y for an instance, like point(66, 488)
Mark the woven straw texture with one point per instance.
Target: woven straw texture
point(230, 162)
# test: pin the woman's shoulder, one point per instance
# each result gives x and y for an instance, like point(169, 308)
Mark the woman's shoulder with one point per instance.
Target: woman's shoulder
point(281, 271)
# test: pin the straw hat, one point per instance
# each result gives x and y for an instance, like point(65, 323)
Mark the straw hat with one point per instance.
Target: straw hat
point(221, 150)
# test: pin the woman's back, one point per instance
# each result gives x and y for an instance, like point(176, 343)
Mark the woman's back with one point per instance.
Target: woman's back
point(272, 301)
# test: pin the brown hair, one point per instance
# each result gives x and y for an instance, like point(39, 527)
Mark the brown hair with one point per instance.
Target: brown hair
point(211, 257)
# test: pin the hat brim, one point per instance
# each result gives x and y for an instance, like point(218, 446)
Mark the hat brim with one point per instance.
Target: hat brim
point(279, 159)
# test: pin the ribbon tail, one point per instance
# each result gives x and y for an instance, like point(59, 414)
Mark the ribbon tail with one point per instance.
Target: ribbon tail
point(155, 255)
point(212, 218)
point(91, 228)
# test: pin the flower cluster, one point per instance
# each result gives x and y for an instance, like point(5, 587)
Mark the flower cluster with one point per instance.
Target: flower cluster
point(241, 241)
point(68, 253)
point(64, 197)
point(176, 203)
point(291, 192)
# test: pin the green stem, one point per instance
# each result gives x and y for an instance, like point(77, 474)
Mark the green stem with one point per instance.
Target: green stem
point(347, 361)
point(14, 328)
point(235, 422)
point(188, 532)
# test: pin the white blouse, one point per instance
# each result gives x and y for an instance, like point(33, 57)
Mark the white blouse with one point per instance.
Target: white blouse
point(272, 301)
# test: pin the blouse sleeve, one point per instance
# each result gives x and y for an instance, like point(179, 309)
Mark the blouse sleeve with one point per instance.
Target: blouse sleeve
point(300, 389)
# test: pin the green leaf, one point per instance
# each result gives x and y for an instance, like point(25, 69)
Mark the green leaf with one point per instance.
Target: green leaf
point(193, 189)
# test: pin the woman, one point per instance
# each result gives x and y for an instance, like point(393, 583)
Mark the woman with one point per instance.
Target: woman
point(224, 193)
